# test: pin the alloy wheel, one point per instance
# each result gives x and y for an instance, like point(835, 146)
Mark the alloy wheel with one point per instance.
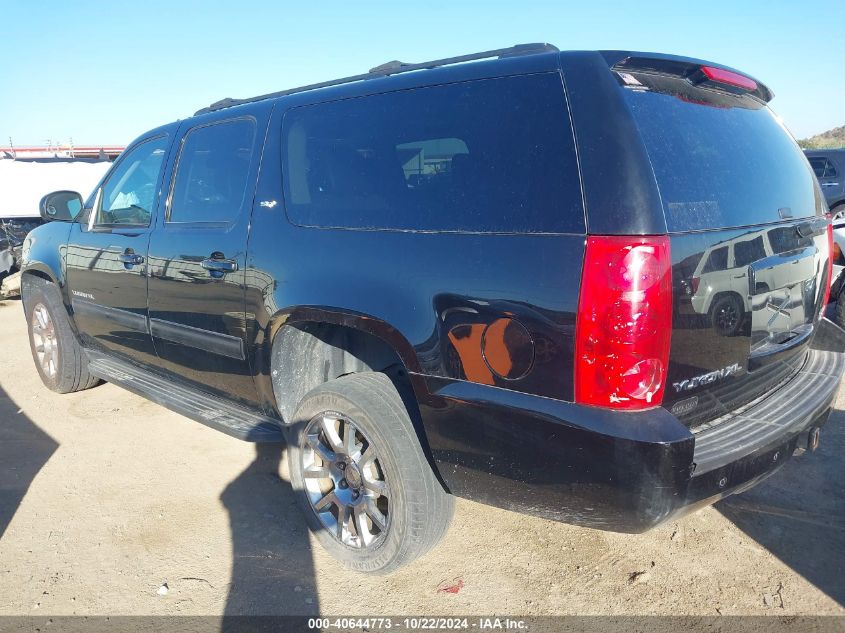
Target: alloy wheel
point(344, 480)
point(727, 317)
point(45, 341)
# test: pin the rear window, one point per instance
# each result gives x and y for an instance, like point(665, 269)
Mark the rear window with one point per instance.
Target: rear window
point(493, 155)
point(719, 165)
point(785, 238)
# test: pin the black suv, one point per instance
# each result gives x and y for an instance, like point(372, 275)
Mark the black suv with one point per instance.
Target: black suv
point(584, 285)
point(829, 165)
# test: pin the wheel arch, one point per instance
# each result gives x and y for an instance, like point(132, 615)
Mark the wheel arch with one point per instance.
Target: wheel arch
point(32, 276)
point(727, 293)
point(308, 347)
point(340, 342)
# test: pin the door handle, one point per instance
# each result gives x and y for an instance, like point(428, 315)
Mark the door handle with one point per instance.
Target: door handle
point(222, 266)
point(131, 258)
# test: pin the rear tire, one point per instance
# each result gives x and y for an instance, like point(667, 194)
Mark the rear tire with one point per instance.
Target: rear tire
point(360, 474)
point(59, 359)
point(837, 214)
point(839, 311)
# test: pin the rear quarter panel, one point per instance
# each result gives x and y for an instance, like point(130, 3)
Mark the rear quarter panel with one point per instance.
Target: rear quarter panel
point(412, 289)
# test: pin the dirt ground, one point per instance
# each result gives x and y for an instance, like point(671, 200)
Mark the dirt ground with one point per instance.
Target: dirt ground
point(110, 504)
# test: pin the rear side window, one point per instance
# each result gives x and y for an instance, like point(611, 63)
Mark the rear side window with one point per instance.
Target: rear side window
point(213, 172)
point(822, 167)
point(493, 155)
point(719, 165)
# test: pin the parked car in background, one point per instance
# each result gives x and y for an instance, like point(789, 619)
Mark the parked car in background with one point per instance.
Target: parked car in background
point(13, 231)
point(829, 167)
point(460, 281)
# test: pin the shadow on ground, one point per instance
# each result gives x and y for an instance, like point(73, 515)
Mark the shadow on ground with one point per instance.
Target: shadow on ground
point(272, 564)
point(24, 449)
point(799, 513)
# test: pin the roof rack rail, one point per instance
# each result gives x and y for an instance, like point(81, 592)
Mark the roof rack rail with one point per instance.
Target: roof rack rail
point(390, 68)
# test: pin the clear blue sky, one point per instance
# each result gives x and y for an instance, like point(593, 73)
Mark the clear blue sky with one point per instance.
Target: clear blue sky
point(103, 72)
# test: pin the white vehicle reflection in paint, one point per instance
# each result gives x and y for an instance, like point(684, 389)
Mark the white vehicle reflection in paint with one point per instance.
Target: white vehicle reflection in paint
point(766, 273)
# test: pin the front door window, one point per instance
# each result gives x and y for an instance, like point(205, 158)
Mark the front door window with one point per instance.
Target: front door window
point(128, 196)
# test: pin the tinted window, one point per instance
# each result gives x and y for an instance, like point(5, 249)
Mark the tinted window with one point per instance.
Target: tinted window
point(718, 260)
point(721, 165)
point(492, 155)
point(129, 193)
point(822, 167)
point(785, 238)
point(213, 172)
point(748, 251)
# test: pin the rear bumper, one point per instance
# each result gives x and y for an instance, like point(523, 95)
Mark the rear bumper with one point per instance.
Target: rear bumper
point(618, 471)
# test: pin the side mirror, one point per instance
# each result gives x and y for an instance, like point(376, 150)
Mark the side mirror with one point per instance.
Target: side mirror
point(60, 206)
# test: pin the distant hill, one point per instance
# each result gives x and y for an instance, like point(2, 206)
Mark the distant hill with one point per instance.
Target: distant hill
point(831, 138)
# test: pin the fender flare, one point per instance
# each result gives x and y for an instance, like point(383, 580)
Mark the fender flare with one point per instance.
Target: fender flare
point(262, 354)
point(347, 318)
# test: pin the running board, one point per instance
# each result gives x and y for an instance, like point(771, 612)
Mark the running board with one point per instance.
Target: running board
point(212, 411)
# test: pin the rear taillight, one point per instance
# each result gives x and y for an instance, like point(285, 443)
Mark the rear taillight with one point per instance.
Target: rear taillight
point(695, 283)
point(624, 322)
point(829, 261)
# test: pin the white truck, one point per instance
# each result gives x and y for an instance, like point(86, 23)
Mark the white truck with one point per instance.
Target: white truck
point(22, 184)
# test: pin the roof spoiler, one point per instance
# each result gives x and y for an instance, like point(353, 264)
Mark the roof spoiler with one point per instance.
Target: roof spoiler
point(696, 72)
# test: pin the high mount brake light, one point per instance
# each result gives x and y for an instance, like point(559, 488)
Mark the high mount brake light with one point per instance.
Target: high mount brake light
point(624, 325)
point(723, 76)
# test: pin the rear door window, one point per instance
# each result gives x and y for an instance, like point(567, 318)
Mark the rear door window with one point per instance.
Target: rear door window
point(493, 155)
point(213, 172)
point(721, 164)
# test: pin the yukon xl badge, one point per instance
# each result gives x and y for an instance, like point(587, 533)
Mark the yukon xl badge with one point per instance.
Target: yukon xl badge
point(706, 379)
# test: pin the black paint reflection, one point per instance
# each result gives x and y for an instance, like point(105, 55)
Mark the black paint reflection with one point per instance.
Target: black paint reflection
point(745, 302)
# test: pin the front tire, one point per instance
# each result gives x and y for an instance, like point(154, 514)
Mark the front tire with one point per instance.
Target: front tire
point(58, 357)
point(361, 476)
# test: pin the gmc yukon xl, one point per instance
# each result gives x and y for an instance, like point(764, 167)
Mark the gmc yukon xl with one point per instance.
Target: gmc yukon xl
point(480, 277)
